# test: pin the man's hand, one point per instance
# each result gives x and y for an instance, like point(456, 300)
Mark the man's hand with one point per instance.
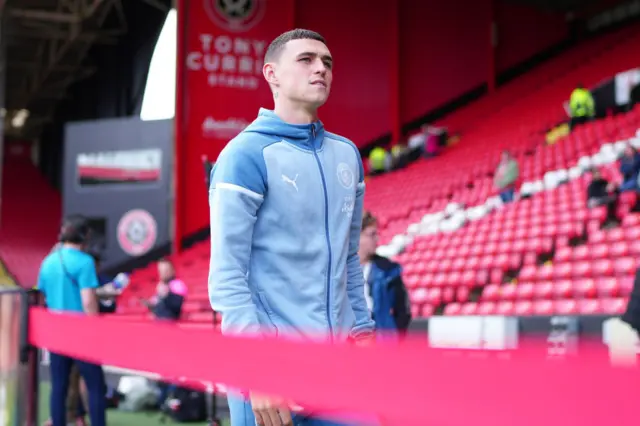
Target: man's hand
point(162, 289)
point(365, 339)
point(270, 411)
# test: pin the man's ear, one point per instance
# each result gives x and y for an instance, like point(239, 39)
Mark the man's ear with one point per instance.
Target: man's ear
point(269, 73)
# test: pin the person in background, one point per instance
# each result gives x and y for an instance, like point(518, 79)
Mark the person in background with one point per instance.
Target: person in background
point(379, 161)
point(68, 282)
point(601, 192)
point(170, 293)
point(630, 169)
point(399, 156)
point(385, 292)
point(506, 176)
point(581, 106)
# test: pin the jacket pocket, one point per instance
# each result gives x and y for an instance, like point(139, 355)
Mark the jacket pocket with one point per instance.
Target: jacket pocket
point(267, 309)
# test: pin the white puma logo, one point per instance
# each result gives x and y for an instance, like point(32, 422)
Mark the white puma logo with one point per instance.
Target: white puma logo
point(290, 181)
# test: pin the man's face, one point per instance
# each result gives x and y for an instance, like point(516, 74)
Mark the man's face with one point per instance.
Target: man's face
point(369, 241)
point(165, 271)
point(303, 72)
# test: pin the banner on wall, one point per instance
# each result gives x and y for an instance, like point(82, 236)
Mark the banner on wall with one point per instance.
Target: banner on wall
point(118, 174)
point(473, 332)
point(223, 86)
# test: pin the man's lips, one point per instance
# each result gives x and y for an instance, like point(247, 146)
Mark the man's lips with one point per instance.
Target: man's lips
point(319, 83)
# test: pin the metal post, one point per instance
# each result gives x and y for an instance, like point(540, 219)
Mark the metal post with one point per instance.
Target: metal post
point(29, 358)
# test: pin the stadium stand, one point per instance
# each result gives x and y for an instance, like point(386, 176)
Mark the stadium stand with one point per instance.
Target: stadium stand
point(462, 173)
point(33, 208)
point(540, 255)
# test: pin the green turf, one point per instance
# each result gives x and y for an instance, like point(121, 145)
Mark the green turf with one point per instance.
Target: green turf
point(115, 417)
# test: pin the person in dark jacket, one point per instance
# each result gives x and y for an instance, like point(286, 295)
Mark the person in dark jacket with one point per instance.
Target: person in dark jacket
point(170, 293)
point(601, 192)
point(630, 168)
point(385, 292)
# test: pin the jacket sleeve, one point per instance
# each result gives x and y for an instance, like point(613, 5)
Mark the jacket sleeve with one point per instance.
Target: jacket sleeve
point(236, 192)
point(402, 305)
point(355, 279)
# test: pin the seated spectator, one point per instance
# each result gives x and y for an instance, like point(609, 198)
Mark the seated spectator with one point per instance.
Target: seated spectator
point(170, 293)
point(581, 106)
point(399, 156)
point(379, 161)
point(630, 168)
point(601, 192)
point(506, 176)
point(385, 292)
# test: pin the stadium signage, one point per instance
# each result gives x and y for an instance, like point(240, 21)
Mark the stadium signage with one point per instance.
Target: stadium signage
point(473, 332)
point(228, 61)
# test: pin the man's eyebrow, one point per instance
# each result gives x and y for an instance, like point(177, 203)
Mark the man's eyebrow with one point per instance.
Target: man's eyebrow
point(324, 57)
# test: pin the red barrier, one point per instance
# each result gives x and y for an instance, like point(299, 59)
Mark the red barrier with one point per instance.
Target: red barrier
point(407, 384)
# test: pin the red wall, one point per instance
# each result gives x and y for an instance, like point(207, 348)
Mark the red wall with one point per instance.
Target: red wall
point(524, 31)
point(444, 51)
point(359, 104)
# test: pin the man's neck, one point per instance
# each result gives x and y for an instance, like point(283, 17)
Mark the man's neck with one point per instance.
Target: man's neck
point(294, 114)
point(72, 246)
point(365, 259)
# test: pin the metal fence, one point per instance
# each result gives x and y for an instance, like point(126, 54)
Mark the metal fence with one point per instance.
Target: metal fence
point(18, 360)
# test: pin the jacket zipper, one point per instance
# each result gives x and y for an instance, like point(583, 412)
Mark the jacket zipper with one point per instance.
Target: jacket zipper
point(326, 226)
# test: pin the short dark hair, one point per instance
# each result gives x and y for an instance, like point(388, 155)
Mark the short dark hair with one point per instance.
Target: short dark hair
point(275, 47)
point(165, 260)
point(368, 219)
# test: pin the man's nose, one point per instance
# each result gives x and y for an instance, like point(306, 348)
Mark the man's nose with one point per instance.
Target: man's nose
point(320, 67)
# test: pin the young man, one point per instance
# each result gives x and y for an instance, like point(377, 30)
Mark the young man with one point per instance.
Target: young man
point(286, 209)
point(385, 292)
point(166, 304)
point(68, 281)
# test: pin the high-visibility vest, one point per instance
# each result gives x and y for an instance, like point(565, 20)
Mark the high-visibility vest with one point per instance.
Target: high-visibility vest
point(581, 103)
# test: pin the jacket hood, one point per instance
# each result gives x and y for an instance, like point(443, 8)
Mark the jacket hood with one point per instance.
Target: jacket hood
point(269, 124)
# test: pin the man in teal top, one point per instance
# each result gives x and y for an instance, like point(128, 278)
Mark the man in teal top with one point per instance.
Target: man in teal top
point(68, 281)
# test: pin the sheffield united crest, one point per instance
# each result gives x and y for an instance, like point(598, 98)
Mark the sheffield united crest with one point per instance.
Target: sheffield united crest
point(235, 15)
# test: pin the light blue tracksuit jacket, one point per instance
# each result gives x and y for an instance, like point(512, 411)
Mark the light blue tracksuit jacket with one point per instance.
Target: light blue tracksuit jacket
point(286, 209)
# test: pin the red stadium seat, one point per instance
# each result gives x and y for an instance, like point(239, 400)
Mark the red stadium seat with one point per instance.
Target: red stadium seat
point(615, 306)
point(525, 291)
point(491, 292)
point(599, 251)
point(625, 266)
point(562, 270)
point(602, 267)
point(508, 292)
point(566, 307)
point(469, 309)
point(563, 254)
point(486, 308)
point(523, 308)
point(563, 289)
point(544, 290)
point(528, 273)
point(545, 272)
point(448, 295)
point(505, 307)
point(453, 309)
point(543, 307)
point(589, 307)
point(585, 287)
point(626, 285)
point(427, 310)
point(462, 294)
point(608, 287)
